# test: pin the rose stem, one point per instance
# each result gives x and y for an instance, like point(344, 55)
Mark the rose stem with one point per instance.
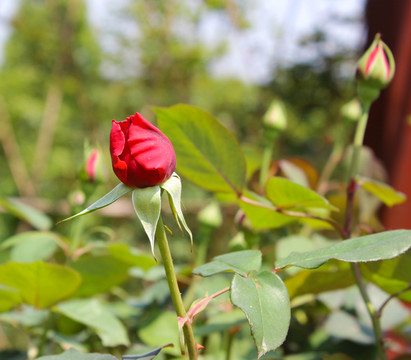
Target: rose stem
point(351, 189)
point(174, 290)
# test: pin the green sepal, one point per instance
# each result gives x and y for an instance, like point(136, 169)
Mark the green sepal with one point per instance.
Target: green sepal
point(147, 204)
point(173, 188)
point(120, 190)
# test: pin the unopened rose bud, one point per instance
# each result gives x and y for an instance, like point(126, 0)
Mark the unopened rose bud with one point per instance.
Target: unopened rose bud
point(276, 116)
point(375, 70)
point(91, 164)
point(93, 168)
point(141, 154)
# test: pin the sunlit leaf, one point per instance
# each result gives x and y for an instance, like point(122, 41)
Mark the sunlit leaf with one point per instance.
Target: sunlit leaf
point(286, 194)
point(310, 179)
point(30, 246)
point(264, 299)
point(381, 246)
point(131, 256)
point(240, 262)
point(162, 329)
point(38, 283)
point(264, 217)
point(9, 297)
point(382, 191)
point(93, 314)
point(27, 213)
point(208, 154)
point(330, 276)
point(99, 274)
point(391, 275)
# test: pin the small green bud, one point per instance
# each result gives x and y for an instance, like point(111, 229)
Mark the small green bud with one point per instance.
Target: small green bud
point(211, 215)
point(351, 111)
point(276, 116)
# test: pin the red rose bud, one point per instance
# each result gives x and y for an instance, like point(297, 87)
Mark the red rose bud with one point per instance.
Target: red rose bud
point(141, 154)
point(375, 69)
point(91, 165)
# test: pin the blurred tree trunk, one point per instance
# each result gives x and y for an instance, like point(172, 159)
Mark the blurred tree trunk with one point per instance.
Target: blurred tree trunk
point(389, 132)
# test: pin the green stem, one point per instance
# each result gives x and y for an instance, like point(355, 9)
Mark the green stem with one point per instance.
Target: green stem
point(371, 311)
point(43, 339)
point(174, 290)
point(351, 189)
point(230, 343)
point(265, 163)
point(378, 313)
point(358, 141)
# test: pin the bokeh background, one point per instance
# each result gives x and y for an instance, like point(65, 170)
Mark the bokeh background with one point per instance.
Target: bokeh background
point(68, 67)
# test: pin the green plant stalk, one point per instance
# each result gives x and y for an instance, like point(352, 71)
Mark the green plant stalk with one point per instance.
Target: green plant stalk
point(358, 142)
point(265, 163)
point(174, 290)
point(43, 339)
point(230, 343)
point(351, 189)
point(371, 311)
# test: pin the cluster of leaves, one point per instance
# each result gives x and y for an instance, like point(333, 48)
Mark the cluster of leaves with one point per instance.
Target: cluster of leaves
point(212, 158)
point(54, 296)
point(83, 287)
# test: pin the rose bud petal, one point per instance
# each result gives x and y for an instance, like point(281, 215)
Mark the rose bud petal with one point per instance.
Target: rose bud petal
point(375, 70)
point(141, 154)
point(92, 164)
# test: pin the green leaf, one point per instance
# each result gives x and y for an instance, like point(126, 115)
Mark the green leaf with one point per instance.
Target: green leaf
point(120, 190)
point(240, 262)
point(93, 314)
point(221, 322)
point(173, 188)
point(264, 299)
point(382, 191)
point(286, 194)
point(9, 297)
point(381, 246)
point(99, 274)
point(294, 172)
point(26, 213)
point(264, 217)
point(147, 205)
point(345, 326)
point(72, 354)
point(147, 356)
point(30, 246)
point(208, 154)
point(163, 329)
point(330, 276)
point(131, 256)
point(40, 284)
point(391, 275)
point(26, 316)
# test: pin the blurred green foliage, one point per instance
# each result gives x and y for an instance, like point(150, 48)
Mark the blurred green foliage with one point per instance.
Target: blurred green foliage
point(59, 90)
